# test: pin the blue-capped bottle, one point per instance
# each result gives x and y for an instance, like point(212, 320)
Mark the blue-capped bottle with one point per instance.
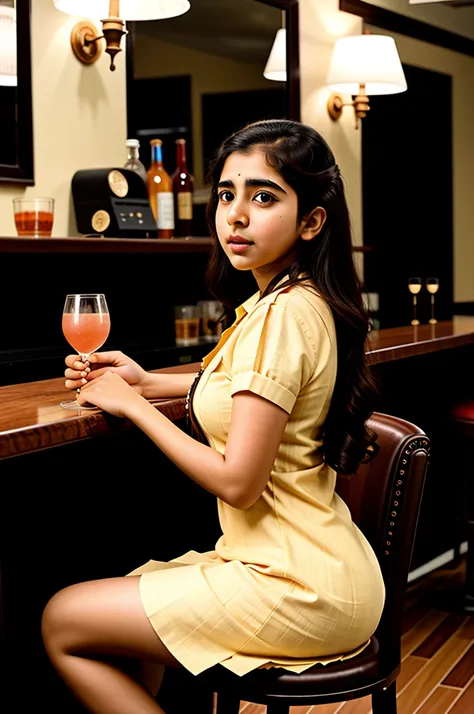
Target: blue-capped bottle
point(160, 192)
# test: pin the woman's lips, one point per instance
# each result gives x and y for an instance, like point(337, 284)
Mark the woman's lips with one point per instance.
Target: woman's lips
point(238, 245)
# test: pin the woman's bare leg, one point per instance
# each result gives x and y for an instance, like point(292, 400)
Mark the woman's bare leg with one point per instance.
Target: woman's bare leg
point(88, 629)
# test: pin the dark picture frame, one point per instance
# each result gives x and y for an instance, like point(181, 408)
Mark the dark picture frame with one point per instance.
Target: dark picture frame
point(403, 25)
point(22, 171)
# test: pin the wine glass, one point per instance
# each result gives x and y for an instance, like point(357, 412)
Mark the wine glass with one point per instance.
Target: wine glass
point(414, 286)
point(86, 326)
point(432, 285)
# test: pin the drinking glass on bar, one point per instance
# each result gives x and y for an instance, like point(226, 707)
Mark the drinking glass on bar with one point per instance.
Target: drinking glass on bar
point(414, 286)
point(86, 326)
point(211, 323)
point(34, 217)
point(432, 285)
point(186, 324)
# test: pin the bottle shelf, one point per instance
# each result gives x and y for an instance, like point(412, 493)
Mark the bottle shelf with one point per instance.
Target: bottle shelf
point(113, 245)
point(104, 245)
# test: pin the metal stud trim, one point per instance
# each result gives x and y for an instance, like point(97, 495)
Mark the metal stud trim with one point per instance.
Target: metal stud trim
point(396, 500)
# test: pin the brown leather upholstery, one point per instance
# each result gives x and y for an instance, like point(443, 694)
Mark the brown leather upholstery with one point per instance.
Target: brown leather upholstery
point(462, 415)
point(464, 410)
point(384, 498)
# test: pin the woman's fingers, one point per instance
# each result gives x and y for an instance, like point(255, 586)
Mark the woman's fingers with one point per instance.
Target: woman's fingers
point(75, 383)
point(73, 362)
point(75, 373)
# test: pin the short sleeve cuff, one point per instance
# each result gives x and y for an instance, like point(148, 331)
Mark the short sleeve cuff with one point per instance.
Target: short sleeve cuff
point(264, 387)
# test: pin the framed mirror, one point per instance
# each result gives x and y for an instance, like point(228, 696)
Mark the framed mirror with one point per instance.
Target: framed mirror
point(200, 76)
point(16, 121)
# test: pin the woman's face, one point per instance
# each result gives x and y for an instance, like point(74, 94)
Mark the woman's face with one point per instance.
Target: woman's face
point(257, 216)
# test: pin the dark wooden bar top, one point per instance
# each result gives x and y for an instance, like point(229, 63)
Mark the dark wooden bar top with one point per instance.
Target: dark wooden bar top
point(400, 342)
point(31, 418)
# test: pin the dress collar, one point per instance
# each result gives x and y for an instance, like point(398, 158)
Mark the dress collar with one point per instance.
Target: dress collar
point(240, 313)
point(250, 303)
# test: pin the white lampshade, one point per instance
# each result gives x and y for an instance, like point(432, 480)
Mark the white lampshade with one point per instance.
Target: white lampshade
point(276, 62)
point(8, 75)
point(129, 9)
point(371, 60)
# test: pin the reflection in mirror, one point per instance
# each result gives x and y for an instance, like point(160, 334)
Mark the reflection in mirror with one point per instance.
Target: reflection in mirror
point(8, 80)
point(199, 77)
point(16, 145)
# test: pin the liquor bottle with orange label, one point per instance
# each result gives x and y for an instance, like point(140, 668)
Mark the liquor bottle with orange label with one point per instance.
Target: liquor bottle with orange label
point(160, 192)
point(183, 187)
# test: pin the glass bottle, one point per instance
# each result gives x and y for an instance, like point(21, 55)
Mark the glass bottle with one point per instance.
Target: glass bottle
point(133, 162)
point(160, 192)
point(183, 188)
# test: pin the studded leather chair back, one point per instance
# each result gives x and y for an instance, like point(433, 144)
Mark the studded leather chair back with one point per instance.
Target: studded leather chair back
point(384, 498)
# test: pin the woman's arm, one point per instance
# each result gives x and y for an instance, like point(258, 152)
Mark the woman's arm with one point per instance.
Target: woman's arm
point(150, 385)
point(161, 386)
point(239, 476)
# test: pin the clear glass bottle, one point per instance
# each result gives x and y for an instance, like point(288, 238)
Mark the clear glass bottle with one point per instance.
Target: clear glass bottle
point(133, 162)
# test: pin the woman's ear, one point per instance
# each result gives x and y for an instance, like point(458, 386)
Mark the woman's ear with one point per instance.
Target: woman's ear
point(312, 224)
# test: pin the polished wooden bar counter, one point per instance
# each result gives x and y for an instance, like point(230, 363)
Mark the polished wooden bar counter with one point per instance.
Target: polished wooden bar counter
point(31, 417)
point(401, 342)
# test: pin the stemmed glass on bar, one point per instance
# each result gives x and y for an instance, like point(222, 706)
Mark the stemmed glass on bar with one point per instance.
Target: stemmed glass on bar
point(432, 285)
point(86, 326)
point(414, 286)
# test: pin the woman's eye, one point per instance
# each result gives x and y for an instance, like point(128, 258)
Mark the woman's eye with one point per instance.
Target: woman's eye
point(264, 198)
point(226, 196)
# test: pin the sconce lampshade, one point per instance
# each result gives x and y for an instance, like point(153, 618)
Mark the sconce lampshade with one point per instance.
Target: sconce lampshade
point(370, 60)
point(8, 75)
point(276, 62)
point(129, 9)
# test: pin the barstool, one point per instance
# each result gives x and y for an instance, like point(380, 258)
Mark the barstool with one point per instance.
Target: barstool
point(462, 423)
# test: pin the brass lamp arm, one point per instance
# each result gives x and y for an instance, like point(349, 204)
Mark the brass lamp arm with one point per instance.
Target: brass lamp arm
point(85, 40)
point(360, 103)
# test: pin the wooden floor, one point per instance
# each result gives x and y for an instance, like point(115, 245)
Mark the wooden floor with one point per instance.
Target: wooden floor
point(437, 674)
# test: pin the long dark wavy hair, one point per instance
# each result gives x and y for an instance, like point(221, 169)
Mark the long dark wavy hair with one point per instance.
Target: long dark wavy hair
point(304, 160)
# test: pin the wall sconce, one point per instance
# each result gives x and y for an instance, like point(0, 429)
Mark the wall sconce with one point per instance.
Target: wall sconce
point(8, 73)
point(85, 38)
point(362, 65)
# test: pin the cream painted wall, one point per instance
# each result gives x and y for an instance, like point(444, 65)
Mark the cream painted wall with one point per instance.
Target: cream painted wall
point(79, 117)
point(321, 23)
point(155, 58)
point(461, 69)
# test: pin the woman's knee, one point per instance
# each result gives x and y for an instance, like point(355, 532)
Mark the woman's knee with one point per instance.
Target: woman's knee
point(59, 621)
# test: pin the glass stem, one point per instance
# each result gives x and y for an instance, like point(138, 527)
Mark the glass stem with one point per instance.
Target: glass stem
point(432, 306)
point(414, 307)
point(83, 360)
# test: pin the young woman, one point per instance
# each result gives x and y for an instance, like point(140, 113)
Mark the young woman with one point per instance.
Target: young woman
point(281, 404)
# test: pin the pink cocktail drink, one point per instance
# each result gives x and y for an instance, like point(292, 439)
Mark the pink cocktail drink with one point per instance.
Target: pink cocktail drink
point(86, 332)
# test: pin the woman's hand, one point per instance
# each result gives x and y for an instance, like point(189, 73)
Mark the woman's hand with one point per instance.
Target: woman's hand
point(78, 374)
point(111, 393)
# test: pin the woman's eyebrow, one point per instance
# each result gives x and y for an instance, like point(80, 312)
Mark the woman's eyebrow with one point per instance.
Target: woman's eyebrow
point(228, 183)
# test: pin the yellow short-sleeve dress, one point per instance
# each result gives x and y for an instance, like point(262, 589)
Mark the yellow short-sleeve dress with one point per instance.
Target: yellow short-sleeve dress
point(292, 581)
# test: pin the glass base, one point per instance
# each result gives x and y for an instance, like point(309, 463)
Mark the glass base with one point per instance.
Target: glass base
point(433, 321)
point(73, 404)
point(415, 322)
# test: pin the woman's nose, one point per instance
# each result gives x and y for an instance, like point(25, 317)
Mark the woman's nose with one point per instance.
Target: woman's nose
point(237, 213)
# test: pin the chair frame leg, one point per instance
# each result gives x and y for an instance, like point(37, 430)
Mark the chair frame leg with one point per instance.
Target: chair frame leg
point(385, 700)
